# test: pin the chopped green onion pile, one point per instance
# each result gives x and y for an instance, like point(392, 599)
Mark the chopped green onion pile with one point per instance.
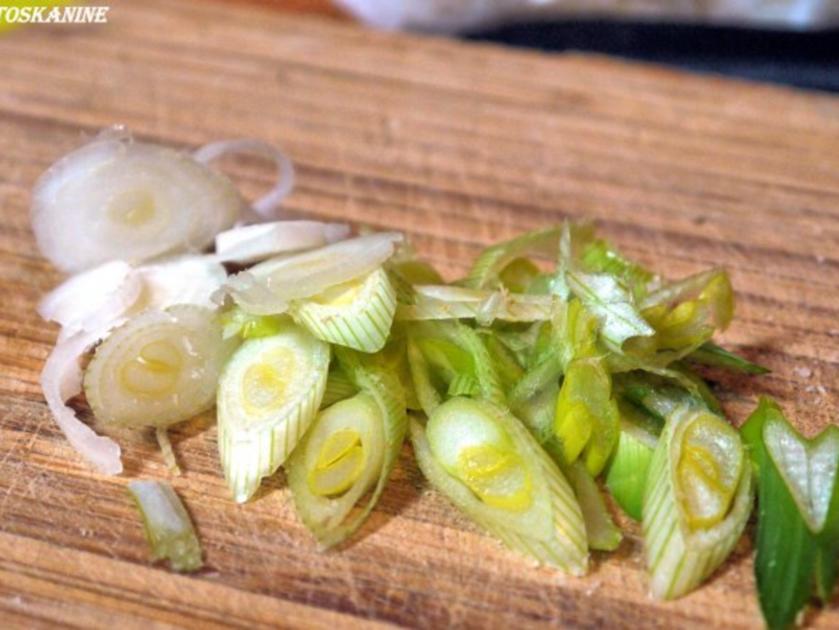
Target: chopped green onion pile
point(535, 397)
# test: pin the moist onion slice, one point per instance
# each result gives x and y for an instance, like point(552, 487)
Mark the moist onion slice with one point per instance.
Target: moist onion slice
point(61, 380)
point(267, 206)
point(92, 299)
point(252, 243)
point(268, 287)
point(184, 280)
point(115, 198)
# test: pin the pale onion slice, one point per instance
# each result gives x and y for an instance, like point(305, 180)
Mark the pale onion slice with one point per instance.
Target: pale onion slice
point(483, 459)
point(184, 280)
point(682, 545)
point(269, 287)
point(345, 460)
point(268, 396)
point(440, 302)
point(61, 380)
point(115, 198)
point(252, 243)
point(158, 369)
point(267, 206)
point(92, 299)
point(357, 314)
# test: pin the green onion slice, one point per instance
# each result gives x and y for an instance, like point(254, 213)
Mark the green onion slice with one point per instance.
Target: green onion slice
point(489, 466)
point(601, 531)
point(269, 393)
point(158, 369)
point(798, 513)
point(441, 302)
point(357, 314)
point(587, 418)
point(698, 498)
point(711, 354)
point(167, 525)
point(349, 452)
point(491, 262)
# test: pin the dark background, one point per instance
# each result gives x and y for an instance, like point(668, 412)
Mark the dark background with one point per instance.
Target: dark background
point(802, 59)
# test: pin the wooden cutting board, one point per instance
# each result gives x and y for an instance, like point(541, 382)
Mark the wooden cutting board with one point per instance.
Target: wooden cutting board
point(459, 145)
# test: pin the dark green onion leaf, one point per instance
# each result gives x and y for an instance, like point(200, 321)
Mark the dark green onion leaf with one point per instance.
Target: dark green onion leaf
point(711, 354)
point(798, 513)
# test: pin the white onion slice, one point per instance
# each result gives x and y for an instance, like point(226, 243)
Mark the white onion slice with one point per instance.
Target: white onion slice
point(115, 198)
point(61, 380)
point(93, 299)
point(267, 206)
point(252, 243)
point(268, 287)
point(185, 280)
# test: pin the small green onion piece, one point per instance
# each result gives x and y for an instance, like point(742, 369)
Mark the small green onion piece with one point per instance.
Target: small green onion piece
point(489, 466)
point(698, 498)
point(491, 262)
point(463, 385)
point(268, 396)
point(626, 475)
point(506, 365)
point(167, 525)
point(711, 354)
point(237, 322)
point(444, 302)
point(349, 453)
point(798, 513)
point(519, 274)
point(416, 272)
point(428, 396)
point(158, 369)
point(357, 314)
point(600, 257)
point(587, 420)
point(601, 531)
point(338, 387)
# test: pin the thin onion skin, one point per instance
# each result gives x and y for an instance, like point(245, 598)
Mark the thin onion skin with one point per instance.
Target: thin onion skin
point(171, 204)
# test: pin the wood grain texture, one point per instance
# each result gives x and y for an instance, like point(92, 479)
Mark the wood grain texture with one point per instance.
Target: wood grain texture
point(458, 145)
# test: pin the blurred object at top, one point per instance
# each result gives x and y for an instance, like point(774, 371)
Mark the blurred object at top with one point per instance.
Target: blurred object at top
point(453, 16)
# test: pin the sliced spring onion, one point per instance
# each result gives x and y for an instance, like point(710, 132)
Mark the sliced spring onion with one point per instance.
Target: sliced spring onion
point(601, 531)
point(267, 206)
point(491, 262)
point(427, 395)
point(349, 452)
point(252, 243)
point(269, 287)
point(415, 271)
point(268, 395)
point(157, 369)
point(587, 420)
point(519, 274)
point(598, 256)
point(486, 463)
point(626, 475)
point(183, 280)
point(338, 387)
point(435, 302)
point(711, 354)
point(357, 314)
point(116, 198)
point(798, 513)
point(93, 298)
point(61, 379)
point(698, 498)
point(167, 525)
point(238, 323)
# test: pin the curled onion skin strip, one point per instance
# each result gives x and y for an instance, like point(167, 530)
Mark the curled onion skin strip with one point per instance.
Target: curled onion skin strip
point(267, 206)
point(61, 380)
point(92, 300)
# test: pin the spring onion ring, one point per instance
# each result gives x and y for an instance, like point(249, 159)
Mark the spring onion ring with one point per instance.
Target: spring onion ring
point(252, 243)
